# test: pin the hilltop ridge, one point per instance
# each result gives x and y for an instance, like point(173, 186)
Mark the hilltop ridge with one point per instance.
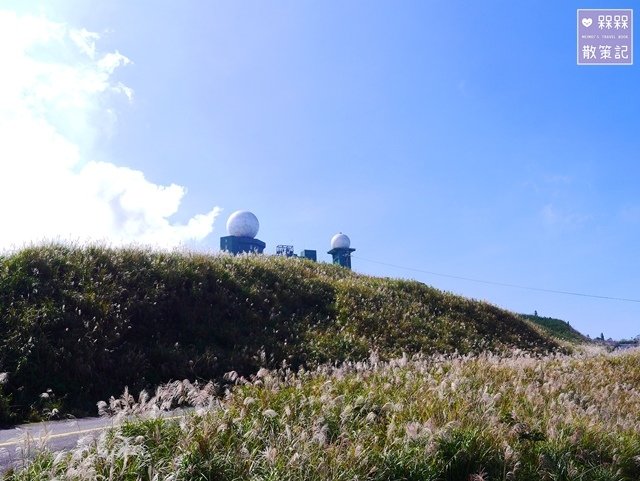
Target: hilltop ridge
point(83, 322)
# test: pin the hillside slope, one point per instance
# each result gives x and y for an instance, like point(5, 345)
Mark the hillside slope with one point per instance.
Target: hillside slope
point(84, 322)
point(557, 328)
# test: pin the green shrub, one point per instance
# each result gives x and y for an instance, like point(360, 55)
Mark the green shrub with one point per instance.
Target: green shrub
point(87, 321)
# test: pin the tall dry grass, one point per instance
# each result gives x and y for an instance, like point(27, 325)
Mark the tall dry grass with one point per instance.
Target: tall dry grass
point(442, 417)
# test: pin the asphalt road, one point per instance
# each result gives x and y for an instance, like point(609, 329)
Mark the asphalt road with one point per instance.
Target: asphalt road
point(22, 442)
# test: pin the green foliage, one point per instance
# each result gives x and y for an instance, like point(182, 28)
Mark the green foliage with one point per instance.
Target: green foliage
point(6, 413)
point(435, 418)
point(84, 322)
point(158, 437)
point(557, 328)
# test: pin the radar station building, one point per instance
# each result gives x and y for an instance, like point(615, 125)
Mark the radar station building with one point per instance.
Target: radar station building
point(312, 255)
point(242, 227)
point(341, 250)
point(287, 251)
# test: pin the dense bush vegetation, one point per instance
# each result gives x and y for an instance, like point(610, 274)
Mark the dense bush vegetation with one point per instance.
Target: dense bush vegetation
point(437, 418)
point(84, 322)
point(557, 328)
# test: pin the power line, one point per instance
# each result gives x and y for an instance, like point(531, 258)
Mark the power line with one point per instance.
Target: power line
point(494, 283)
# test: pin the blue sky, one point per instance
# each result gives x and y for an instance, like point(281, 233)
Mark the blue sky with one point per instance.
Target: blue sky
point(441, 136)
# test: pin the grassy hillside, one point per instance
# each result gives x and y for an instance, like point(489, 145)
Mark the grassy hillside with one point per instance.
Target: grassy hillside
point(557, 328)
point(84, 322)
point(439, 418)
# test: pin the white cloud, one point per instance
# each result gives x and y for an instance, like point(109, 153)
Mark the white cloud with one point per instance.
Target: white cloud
point(54, 95)
point(85, 41)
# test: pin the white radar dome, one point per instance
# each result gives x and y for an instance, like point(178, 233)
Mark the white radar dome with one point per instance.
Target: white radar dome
point(243, 223)
point(340, 241)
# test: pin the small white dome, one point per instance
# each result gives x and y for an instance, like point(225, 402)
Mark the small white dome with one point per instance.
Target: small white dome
point(243, 223)
point(340, 241)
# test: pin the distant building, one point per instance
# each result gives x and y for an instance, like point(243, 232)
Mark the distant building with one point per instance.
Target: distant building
point(287, 251)
point(242, 227)
point(309, 254)
point(284, 251)
point(341, 250)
